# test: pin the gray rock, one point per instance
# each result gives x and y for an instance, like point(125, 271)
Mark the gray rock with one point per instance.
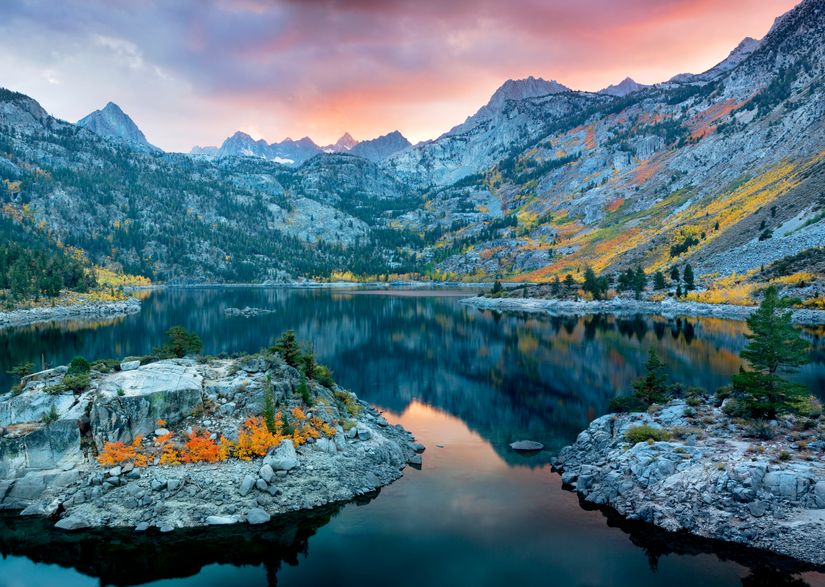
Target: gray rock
point(266, 473)
point(415, 460)
point(284, 457)
point(72, 523)
point(167, 390)
point(129, 365)
point(257, 516)
point(526, 445)
point(246, 485)
point(261, 485)
point(221, 520)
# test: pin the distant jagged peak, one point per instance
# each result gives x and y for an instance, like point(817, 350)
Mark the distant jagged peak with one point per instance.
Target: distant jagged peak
point(342, 145)
point(381, 147)
point(112, 122)
point(623, 88)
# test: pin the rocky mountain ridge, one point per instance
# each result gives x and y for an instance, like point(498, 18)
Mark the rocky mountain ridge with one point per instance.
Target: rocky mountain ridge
point(722, 170)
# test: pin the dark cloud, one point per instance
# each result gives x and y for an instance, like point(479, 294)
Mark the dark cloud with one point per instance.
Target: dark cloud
point(363, 63)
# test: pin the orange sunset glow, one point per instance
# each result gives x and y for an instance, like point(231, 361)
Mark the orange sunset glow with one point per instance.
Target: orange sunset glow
point(194, 73)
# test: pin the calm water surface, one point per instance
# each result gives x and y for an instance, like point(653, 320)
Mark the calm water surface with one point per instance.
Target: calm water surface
point(466, 383)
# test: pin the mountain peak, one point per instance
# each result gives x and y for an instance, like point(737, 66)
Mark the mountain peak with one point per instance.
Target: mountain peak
point(345, 143)
point(112, 122)
point(623, 88)
point(519, 89)
point(381, 147)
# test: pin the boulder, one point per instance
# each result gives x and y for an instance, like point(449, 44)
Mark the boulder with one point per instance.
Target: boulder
point(45, 447)
point(46, 375)
point(267, 473)
point(283, 457)
point(131, 402)
point(221, 520)
point(72, 523)
point(30, 407)
point(526, 445)
point(326, 445)
point(129, 365)
point(257, 516)
point(247, 484)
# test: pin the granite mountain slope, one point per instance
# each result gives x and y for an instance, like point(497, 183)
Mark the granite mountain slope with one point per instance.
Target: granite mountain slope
point(723, 169)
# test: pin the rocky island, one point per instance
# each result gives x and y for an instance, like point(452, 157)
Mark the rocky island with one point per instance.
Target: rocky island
point(744, 464)
point(696, 470)
point(183, 442)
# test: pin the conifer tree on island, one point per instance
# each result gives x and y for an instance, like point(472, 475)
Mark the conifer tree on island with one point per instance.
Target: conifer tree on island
point(774, 346)
point(650, 388)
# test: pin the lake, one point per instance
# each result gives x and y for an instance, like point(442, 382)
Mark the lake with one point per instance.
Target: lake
point(465, 383)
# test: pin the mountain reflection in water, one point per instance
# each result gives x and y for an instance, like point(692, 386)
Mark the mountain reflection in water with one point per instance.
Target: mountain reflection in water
point(470, 381)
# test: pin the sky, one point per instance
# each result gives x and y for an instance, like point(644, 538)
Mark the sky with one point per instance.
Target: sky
point(195, 71)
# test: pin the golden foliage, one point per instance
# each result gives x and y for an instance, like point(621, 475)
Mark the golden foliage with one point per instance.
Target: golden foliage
point(255, 439)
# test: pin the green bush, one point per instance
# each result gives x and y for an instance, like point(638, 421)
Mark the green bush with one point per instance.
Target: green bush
point(643, 433)
point(323, 375)
point(349, 403)
point(77, 381)
point(78, 365)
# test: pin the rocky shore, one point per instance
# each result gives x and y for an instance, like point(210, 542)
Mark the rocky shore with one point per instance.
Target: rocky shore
point(165, 426)
point(762, 485)
point(628, 307)
point(27, 316)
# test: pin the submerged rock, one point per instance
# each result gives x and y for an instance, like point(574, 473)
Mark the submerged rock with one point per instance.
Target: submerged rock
point(526, 445)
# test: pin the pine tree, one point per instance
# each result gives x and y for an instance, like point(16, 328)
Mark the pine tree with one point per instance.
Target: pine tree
point(658, 281)
point(678, 290)
point(287, 347)
point(639, 282)
point(651, 387)
point(555, 286)
point(688, 277)
point(569, 282)
point(286, 426)
point(774, 345)
point(674, 274)
point(497, 287)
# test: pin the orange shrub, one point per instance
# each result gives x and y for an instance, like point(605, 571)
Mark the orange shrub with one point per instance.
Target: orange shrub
point(117, 453)
point(255, 439)
point(199, 448)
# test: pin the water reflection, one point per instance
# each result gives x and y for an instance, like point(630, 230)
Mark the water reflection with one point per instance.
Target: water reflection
point(505, 376)
point(470, 381)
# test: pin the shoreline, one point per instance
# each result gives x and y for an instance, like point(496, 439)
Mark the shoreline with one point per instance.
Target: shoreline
point(377, 285)
point(714, 481)
point(626, 307)
point(61, 313)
